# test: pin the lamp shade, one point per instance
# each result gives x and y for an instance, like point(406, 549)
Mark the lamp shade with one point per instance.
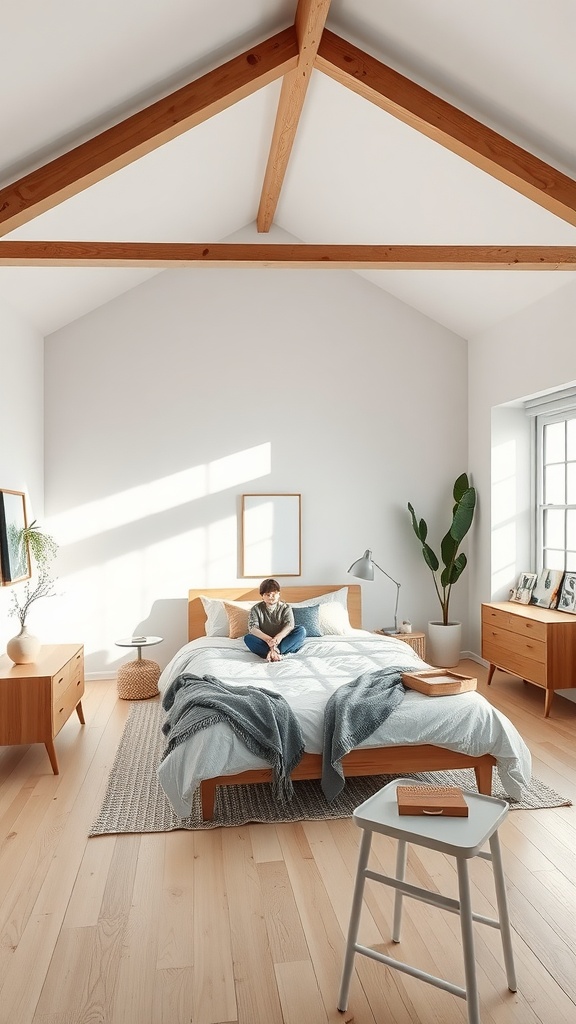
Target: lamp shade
point(363, 568)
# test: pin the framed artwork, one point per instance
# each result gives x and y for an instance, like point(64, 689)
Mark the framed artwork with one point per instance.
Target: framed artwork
point(271, 544)
point(567, 599)
point(524, 588)
point(545, 593)
point(14, 554)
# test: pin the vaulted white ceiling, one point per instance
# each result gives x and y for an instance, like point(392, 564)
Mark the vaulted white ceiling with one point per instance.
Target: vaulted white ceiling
point(356, 175)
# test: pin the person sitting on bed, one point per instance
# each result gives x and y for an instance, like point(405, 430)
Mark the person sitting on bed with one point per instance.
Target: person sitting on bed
point(271, 630)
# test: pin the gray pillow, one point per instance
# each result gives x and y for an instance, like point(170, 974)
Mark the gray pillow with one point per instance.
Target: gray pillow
point(308, 617)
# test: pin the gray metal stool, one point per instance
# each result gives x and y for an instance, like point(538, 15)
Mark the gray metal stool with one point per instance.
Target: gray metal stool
point(461, 838)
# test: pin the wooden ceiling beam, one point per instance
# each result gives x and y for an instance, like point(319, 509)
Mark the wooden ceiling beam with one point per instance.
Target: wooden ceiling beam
point(146, 130)
point(310, 20)
point(289, 256)
point(447, 125)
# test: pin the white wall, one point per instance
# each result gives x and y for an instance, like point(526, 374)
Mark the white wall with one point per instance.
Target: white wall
point(21, 432)
point(167, 404)
point(531, 352)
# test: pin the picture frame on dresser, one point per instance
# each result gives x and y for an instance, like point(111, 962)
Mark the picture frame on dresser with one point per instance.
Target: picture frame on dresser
point(547, 589)
point(524, 589)
point(567, 599)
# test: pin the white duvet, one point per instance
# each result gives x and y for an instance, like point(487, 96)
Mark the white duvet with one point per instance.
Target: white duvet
point(466, 722)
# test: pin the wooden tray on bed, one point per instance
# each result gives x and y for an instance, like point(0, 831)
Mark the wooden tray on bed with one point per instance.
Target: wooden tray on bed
point(439, 682)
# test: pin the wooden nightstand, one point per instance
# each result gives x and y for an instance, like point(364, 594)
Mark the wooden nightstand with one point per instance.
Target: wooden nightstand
point(36, 700)
point(415, 640)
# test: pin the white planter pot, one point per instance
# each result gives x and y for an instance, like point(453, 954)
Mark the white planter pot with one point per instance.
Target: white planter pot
point(24, 648)
point(444, 644)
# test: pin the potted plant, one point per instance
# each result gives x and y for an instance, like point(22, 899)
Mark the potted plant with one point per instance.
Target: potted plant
point(444, 636)
point(24, 648)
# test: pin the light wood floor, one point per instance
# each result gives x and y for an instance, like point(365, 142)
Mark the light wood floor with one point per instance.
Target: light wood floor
point(247, 925)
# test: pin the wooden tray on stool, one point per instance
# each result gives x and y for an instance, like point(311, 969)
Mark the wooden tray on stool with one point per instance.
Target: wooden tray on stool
point(438, 682)
point(435, 800)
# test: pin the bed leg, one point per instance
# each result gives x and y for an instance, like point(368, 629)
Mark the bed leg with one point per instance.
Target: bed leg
point(207, 797)
point(483, 773)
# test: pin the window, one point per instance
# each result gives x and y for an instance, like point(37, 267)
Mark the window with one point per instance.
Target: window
point(556, 485)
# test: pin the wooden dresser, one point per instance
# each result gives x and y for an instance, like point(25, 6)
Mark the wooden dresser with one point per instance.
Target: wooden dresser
point(36, 700)
point(537, 644)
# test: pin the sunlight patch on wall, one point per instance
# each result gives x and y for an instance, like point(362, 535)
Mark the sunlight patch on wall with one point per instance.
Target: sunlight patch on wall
point(503, 555)
point(503, 482)
point(504, 511)
point(157, 496)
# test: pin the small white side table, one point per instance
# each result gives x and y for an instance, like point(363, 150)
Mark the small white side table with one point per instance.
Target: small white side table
point(461, 838)
point(138, 679)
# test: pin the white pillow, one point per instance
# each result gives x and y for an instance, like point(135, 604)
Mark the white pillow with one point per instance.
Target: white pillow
point(334, 619)
point(217, 622)
point(339, 596)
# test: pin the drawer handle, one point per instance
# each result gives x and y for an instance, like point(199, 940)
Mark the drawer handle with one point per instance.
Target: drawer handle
point(60, 680)
point(61, 710)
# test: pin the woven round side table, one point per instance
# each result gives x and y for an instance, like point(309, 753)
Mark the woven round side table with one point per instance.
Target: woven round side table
point(415, 640)
point(138, 679)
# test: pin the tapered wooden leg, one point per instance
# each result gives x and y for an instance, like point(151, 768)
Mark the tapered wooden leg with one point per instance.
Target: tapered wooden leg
point(80, 712)
point(490, 674)
point(548, 701)
point(51, 750)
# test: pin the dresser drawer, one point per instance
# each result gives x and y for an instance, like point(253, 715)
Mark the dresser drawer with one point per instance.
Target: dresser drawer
point(60, 682)
point(516, 643)
point(514, 662)
point(516, 623)
point(63, 707)
point(76, 668)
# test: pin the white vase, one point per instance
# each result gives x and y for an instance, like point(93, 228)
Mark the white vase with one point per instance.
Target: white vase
point(444, 644)
point(24, 648)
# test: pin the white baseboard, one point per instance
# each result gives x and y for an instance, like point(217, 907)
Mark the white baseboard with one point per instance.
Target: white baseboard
point(471, 656)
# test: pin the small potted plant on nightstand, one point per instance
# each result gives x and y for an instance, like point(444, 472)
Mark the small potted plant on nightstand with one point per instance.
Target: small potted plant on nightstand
point(23, 649)
point(445, 636)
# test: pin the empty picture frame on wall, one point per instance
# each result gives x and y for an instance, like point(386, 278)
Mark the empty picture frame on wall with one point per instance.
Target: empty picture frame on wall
point(271, 541)
point(567, 599)
point(14, 553)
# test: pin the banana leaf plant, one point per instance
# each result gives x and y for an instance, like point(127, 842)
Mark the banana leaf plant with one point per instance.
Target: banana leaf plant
point(453, 563)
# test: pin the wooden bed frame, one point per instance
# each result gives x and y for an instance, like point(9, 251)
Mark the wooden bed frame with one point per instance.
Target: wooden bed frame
point(399, 760)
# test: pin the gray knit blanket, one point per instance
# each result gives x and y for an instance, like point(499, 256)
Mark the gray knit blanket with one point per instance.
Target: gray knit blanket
point(353, 712)
point(263, 720)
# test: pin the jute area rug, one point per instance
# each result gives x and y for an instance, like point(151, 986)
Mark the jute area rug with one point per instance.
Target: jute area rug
point(135, 801)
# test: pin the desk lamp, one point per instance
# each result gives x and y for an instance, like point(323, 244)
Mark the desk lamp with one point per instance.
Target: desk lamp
point(363, 569)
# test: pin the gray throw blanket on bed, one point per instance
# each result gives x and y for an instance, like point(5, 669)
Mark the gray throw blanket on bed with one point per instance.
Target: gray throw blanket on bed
point(353, 712)
point(263, 720)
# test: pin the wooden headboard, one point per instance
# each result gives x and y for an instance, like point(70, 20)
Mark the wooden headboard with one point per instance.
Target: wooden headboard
point(197, 615)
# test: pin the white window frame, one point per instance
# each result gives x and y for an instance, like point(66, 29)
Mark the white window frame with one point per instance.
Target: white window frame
point(556, 408)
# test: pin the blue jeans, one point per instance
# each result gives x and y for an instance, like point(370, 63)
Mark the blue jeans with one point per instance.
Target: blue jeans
point(288, 645)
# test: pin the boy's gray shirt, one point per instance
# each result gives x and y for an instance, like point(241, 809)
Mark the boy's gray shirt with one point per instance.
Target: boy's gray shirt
point(270, 620)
